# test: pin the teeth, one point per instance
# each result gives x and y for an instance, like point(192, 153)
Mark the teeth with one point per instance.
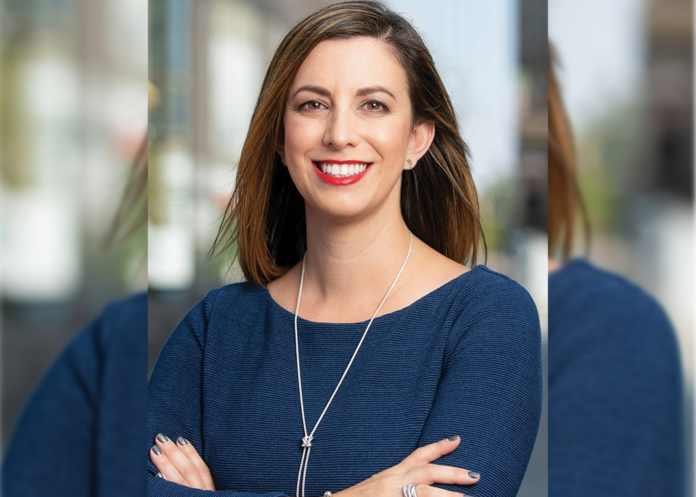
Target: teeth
point(341, 170)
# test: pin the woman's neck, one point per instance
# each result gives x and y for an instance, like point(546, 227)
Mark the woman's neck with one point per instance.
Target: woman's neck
point(353, 264)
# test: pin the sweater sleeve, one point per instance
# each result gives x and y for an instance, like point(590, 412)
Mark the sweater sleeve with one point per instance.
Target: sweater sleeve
point(490, 390)
point(615, 398)
point(175, 399)
point(82, 427)
point(52, 447)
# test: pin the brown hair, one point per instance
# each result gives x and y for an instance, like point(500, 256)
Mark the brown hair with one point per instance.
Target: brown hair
point(131, 215)
point(564, 195)
point(265, 217)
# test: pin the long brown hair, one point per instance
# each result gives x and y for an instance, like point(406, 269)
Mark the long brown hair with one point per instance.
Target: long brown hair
point(565, 201)
point(265, 217)
point(131, 215)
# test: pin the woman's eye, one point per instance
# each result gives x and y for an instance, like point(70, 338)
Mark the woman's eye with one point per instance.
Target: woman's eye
point(312, 105)
point(376, 106)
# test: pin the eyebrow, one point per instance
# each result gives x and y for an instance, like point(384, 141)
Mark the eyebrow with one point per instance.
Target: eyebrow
point(375, 89)
point(361, 92)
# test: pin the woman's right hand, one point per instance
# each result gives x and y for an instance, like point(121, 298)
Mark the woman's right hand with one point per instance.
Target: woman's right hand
point(416, 469)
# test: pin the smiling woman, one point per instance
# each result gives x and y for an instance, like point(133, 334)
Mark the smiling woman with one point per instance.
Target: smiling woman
point(360, 337)
point(338, 115)
point(319, 65)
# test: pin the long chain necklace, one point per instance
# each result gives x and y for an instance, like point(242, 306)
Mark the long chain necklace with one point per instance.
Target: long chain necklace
point(307, 439)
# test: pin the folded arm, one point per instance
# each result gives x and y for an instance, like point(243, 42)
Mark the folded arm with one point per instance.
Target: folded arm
point(490, 391)
point(174, 400)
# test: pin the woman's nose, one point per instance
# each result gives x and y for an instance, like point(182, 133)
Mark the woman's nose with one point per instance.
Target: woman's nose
point(341, 129)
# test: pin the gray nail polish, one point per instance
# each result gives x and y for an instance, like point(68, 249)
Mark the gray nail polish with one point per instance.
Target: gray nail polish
point(162, 438)
point(454, 438)
point(159, 475)
point(474, 474)
point(156, 450)
point(182, 441)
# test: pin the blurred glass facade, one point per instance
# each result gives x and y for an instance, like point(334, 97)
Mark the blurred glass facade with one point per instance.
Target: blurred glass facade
point(73, 101)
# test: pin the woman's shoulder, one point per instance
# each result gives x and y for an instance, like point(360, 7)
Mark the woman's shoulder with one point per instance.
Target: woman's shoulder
point(490, 305)
point(246, 292)
point(490, 290)
point(495, 317)
point(225, 301)
point(584, 288)
point(475, 287)
point(238, 290)
point(582, 277)
point(588, 303)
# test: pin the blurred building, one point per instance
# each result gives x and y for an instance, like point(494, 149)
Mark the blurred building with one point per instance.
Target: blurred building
point(669, 67)
point(670, 174)
point(73, 103)
point(533, 200)
point(534, 113)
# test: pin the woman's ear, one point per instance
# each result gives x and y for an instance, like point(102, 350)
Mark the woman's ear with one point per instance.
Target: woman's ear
point(422, 136)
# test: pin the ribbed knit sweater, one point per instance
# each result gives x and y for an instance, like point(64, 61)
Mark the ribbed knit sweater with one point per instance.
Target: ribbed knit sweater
point(80, 433)
point(463, 360)
point(615, 389)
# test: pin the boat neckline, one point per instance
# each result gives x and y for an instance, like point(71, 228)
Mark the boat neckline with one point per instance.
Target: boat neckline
point(382, 317)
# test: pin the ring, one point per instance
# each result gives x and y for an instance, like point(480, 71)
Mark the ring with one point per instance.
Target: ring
point(409, 490)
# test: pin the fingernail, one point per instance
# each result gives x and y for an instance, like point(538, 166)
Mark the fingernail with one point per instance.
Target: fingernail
point(454, 438)
point(474, 474)
point(156, 450)
point(160, 475)
point(162, 438)
point(182, 441)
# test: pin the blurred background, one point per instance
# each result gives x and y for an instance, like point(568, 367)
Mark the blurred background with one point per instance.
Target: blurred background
point(207, 59)
point(626, 74)
point(73, 110)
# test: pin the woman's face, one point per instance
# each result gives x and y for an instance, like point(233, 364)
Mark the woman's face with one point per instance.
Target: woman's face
point(349, 111)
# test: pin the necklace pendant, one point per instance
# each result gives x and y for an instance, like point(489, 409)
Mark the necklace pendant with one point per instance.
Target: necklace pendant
point(307, 441)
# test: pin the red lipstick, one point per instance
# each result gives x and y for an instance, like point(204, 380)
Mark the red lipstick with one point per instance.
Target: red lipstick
point(347, 180)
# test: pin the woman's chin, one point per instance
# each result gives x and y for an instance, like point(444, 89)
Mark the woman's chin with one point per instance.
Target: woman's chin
point(340, 212)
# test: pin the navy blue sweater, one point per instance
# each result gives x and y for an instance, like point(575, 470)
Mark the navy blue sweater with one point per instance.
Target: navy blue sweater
point(615, 389)
point(80, 434)
point(463, 360)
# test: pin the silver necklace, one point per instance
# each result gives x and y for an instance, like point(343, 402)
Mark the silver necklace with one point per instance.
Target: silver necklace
point(307, 439)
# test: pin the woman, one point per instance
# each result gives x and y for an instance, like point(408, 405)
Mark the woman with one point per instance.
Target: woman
point(359, 336)
point(615, 389)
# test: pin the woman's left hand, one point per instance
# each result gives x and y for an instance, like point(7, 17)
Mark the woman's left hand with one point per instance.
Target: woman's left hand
point(179, 462)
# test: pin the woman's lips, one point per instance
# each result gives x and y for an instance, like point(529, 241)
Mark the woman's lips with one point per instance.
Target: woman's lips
point(342, 181)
